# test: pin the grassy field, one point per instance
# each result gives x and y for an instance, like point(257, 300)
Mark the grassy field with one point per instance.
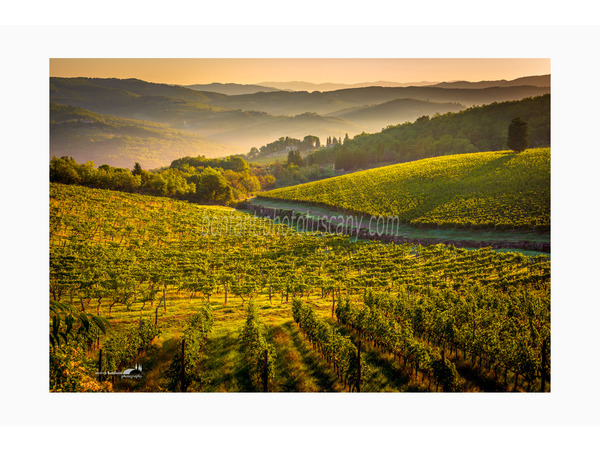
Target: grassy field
point(501, 190)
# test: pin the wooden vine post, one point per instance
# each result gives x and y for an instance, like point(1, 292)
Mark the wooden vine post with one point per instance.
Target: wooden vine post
point(332, 301)
point(182, 375)
point(265, 374)
point(358, 380)
point(544, 363)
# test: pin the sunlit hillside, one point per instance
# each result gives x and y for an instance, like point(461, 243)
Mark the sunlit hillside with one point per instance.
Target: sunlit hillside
point(491, 189)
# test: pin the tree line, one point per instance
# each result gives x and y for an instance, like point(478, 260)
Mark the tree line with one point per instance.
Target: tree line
point(215, 181)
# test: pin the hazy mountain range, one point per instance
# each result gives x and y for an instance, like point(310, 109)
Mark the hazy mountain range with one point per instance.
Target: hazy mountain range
point(306, 86)
point(395, 111)
point(220, 122)
point(536, 80)
point(326, 103)
point(231, 88)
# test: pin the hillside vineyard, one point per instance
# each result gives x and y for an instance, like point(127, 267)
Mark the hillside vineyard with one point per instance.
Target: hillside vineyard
point(425, 318)
point(501, 190)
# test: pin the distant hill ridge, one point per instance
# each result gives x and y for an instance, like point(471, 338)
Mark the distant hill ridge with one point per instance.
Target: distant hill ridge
point(324, 87)
point(535, 80)
point(231, 88)
point(395, 111)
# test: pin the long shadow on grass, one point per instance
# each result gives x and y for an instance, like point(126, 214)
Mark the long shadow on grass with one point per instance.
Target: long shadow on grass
point(223, 367)
point(395, 378)
point(486, 384)
point(385, 374)
point(287, 378)
point(316, 367)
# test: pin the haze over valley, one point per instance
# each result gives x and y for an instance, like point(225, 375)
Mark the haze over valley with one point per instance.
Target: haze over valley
point(220, 119)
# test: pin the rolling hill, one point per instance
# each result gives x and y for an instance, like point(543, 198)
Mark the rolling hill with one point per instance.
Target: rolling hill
point(374, 117)
point(292, 103)
point(535, 80)
point(323, 87)
point(231, 88)
point(104, 139)
point(189, 110)
point(480, 190)
point(290, 126)
point(73, 89)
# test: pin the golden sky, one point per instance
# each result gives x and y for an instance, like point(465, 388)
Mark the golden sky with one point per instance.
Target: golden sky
point(249, 71)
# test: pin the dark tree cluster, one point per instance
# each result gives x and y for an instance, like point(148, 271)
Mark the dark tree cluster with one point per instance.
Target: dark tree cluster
point(518, 135)
point(307, 143)
point(295, 157)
